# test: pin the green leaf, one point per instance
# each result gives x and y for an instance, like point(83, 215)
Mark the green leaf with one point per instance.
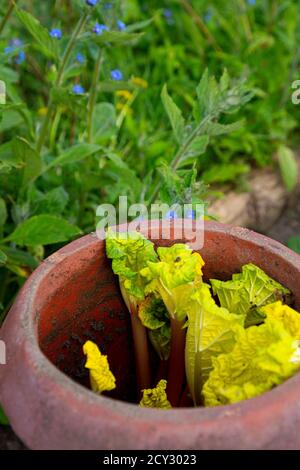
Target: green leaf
point(8, 159)
point(3, 418)
point(75, 154)
point(294, 243)
point(249, 290)
point(3, 257)
point(11, 119)
point(104, 122)
point(216, 129)
point(3, 212)
point(208, 94)
point(117, 160)
point(45, 42)
point(154, 316)
point(43, 230)
point(174, 114)
point(139, 25)
point(53, 202)
point(117, 38)
point(161, 341)
point(210, 333)
point(225, 172)
point(31, 159)
point(288, 167)
point(262, 358)
point(17, 257)
point(195, 149)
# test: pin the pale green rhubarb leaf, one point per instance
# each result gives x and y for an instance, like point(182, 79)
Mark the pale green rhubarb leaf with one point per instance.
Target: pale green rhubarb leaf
point(154, 316)
point(156, 397)
point(210, 332)
point(130, 252)
point(247, 291)
point(262, 358)
point(174, 277)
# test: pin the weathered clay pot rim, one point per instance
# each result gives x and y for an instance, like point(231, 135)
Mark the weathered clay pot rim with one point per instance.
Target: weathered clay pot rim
point(114, 424)
point(61, 383)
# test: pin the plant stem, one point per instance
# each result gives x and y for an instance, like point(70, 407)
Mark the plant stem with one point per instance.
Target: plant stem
point(6, 17)
point(69, 47)
point(54, 127)
point(93, 95)
point(176, 368)
point(59, 78)
point(245, 21)
point(162, 371)
point(181, 151)
point(142, 361)
point(185, 400)
point(197, 380)
point(140, 341)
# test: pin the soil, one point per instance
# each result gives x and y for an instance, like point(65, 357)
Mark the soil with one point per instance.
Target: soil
point(286, 226)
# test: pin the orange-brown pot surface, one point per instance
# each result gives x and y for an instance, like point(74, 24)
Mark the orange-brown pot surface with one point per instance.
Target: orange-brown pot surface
point(74, 296)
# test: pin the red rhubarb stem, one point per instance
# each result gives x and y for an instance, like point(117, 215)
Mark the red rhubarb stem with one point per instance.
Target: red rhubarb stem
point(141, 351)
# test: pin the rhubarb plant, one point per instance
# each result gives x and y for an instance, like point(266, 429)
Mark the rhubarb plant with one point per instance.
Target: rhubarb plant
point(262, 358)
point(210, 332)
point(174, 278)
point(249, 290)
point(231, 340)
point(130, 253)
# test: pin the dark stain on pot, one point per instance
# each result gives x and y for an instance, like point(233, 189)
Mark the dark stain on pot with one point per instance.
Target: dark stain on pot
point(120, 330)
point(97, 325)
point(107, 338)
point(89, 335)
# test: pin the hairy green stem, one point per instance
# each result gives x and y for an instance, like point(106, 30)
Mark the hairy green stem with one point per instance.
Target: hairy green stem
point(176, 365)
point(54, 127)
point(93, 94)
point(59, 78)
point(7, 15)
point(181, 151)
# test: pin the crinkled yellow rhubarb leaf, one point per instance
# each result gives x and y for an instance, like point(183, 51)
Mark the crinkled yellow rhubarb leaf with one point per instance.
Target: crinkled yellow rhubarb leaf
point(246, 291)
point(289, 318)
point(156, 397)
point(101, 378)
point(130, 252)
point(263, 357)
point(210, 332)
point(175, 277)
